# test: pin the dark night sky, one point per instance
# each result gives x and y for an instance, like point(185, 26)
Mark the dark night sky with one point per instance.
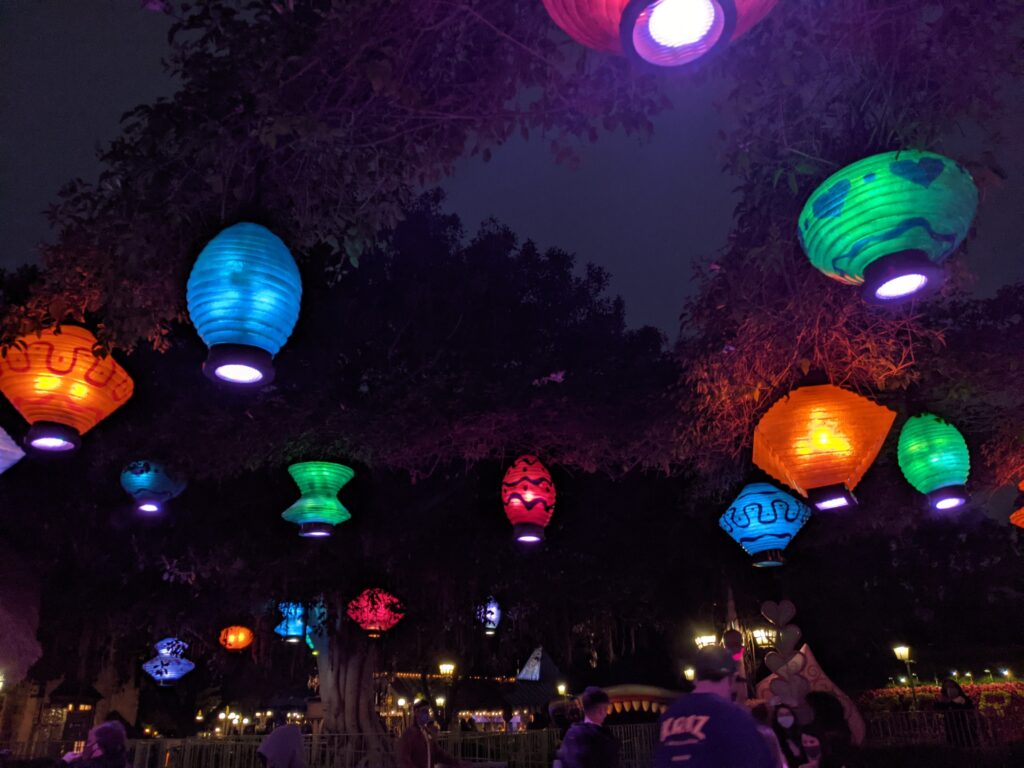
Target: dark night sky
point(70, 68)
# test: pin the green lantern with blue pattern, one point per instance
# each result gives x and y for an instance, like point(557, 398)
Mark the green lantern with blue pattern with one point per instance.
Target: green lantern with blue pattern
point(935, 460)
point(887, 222)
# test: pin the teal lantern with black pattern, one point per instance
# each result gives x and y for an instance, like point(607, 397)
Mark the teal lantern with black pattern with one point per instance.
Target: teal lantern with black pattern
point(763, 520)
point(888, 222)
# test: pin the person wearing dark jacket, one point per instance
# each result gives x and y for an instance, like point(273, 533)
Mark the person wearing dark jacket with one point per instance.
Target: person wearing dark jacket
point(589, 744)
point(416, 748)
point(705, 729)
point(110, 750)
point(958, 717)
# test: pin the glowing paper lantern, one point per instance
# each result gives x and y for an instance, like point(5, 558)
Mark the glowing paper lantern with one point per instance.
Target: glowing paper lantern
point(528, 494)
point(376, 611)
point(10, 452)
point(934, 458)
point(169, 665)
point(1017, 516)
point(243, 297)
point(820, 441)
point(489, 614)
point(319, 510)
point(763, 520)
point(888, 222)
point(151, 484)
point(236, 638)
point(666, 33)
point(60, 387)
point(293, 626)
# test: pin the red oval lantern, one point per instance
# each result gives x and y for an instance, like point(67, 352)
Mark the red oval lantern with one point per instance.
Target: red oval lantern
point(376, 611)
point(528, 494)
point(666, 33)
point(236, 638)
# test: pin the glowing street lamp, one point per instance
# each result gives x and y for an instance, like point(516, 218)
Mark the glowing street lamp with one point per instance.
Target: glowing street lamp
point(446, 668)
point(690, 674)
point(902, 653)
point(765, 637)
point(705, 641)
point(562, 689)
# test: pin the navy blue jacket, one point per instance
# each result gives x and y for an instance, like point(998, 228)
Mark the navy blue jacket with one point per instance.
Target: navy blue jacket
point(589, 746)
point(701, 730)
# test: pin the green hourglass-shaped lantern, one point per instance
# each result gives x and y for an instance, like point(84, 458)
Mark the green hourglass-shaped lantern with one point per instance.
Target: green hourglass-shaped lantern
point(318, 510)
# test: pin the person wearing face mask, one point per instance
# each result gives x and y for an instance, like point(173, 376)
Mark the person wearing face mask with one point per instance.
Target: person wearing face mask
point(416, 748)
point(787, 731)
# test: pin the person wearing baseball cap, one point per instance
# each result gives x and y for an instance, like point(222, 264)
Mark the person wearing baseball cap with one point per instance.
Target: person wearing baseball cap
point(705, 729)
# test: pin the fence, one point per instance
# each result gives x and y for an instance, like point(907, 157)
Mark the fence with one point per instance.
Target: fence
point(532, 749)
point(968, 730)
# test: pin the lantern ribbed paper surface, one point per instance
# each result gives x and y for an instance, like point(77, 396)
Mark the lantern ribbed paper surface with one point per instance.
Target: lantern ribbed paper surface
point(318, 508)
point(150, 482)
point(10, 452)
point(667, 33)
point(1017, 516)
point(932, 453)
point(763, 520)
point(56, 378)
point(376, 611)
point(489, 615)
point(243, 297)
point(885, 204)
point(528, 494)
point(820, 436)
point(293, 626)
point(169, 665)
point(236, 638)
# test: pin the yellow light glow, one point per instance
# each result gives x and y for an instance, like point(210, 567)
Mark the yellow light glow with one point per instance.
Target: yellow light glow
point(439, 701)
point(562, 689)
point(401, 702)
point(902, 652)
point(47, 383)
point(703, 641)
point(690, 673)
point(446, 668)
point(823, 436)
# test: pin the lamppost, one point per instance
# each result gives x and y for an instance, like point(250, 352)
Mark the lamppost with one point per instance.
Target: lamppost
point(703, 641)
point(903, 654)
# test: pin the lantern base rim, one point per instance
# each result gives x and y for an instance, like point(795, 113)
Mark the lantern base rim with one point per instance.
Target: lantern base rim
point(315, 530)
point(239, 365)
point(148, 505)
point(948, 498)
point(686, 55)
point(901, 276)
point(770, 558)
point(52, 437)
point(528, 533)
point(832, 497)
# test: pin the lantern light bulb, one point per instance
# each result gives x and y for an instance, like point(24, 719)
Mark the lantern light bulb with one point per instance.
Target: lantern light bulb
point(52, 444)
point(951, 502)
point(902, 286)
point(836, 502)
point(675, 23)
point(149, 506)
point(529, 538)
point(238, 373)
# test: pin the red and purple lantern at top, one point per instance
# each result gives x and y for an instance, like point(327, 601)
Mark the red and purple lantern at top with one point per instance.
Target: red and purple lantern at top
point(665, 33)
point(528, 494)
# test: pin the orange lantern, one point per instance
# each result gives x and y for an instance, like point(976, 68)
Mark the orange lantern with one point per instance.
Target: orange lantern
point(1017, 518)
point(60, 387)
point(236, 638)
point(820, 441)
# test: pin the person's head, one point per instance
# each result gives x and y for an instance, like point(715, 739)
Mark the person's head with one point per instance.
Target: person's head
point(715, 670)
point(784, 717)
point(811, 745)
point(951, 689)
point(760, 713)
point(422, 714)
point(111, 738)
point(595, 704)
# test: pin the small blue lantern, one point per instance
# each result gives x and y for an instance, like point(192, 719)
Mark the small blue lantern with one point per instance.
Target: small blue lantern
point(243, 298)
point(489, 615)
point(151, 484)
point(169, 663)
point(293, 627)
point(763, 520)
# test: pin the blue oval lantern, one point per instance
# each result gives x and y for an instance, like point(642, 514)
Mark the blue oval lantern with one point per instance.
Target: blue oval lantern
point(293, 626)
point(243, 298)
point(169, 663)
point(763, 520)
point(151, 484)
point(489, 615)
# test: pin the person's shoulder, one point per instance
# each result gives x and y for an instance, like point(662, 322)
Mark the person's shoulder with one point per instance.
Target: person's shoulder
point(698, 703)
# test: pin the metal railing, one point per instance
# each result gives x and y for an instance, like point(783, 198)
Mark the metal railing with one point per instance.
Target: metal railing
point(531, 749)
point(966, 730)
